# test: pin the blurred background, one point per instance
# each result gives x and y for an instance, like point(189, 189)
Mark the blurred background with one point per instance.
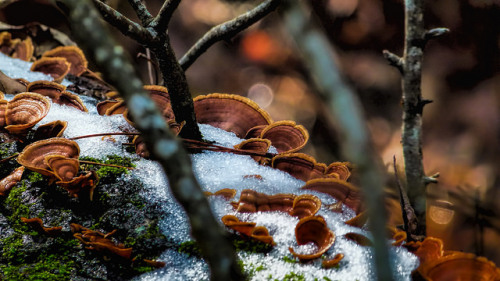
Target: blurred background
point(461, 75)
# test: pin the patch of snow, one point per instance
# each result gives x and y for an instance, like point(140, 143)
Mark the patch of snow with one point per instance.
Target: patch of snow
point(217, 170)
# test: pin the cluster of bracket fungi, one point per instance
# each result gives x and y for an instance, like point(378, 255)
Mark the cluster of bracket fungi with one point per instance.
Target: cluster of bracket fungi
point(57, 158)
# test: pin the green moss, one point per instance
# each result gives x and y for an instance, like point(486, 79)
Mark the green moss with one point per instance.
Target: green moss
point(14, 202)
point(289, 259)
point(291, 276)
point(190, 248)
point(108, 174)
point(45, 267)
point(33, 176)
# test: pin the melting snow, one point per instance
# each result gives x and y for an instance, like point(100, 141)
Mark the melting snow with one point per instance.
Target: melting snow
point(216, 170)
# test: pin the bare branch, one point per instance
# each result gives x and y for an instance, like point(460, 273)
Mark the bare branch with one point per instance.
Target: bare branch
point(122, 23)
point(413, 103)
point(227, 30)
point(394, 60)
point(142, 12)
point(116, 67)
point(161, 21)
point(431, 179)
point(346, 111)
point(436, 32)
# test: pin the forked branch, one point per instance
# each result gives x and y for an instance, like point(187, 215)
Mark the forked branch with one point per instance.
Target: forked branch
point(227, 30)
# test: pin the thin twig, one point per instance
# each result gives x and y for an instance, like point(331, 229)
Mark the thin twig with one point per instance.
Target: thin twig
point(104, 134)
point(104, 164)
point(150, 68)
point(346, 112)
point(161, 21)
point(409, 218)
point(142, 12)
point(10, 157)
point(227, 30)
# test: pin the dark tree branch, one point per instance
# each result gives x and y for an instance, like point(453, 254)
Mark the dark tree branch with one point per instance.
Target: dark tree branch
point(116, 67)
point(227, 30)
point(122, 23)
point(346, 111)
point(409, 218)
point(413, 108)
point(161, 21)
point(142, 12)
point(394, 60)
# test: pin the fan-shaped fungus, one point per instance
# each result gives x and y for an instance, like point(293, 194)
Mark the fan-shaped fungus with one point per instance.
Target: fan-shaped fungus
point(9, 181)
point(248, 229)
point(24, 111)
point(333, 262)
point(232, 113)
point(299, 165)
point(253, 201)
point(286, 136)
point(56, 67)
point(23, 49)
point(50, 130)
point(339, 168)
point(227, 193)
point(460, 266)
point(49, 89)
point(73, 55)
point(57, 93)
point(37, 225)
point(33, 155)
point(305, 205)
point(255, 145)
point(339, 189)
point(313, 229)
point(94, 240)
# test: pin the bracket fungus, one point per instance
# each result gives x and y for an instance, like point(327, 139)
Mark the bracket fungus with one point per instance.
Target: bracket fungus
point(9, 181)
point(248, 229)
point(33, 155)
point(37, 225)
point(286, 136)
point(232, 113)
point(227, 193)
point(305, 167)
point(299, 206)
point(341, 190)
point(56, 67)
point(333, 262)
point(73, 55)
point(57, 93)
point(95, 240)
point(24, 111)
point(437, 264)
point(255, 145)
point(313, 229)
point(16, 48)
point(50, 130)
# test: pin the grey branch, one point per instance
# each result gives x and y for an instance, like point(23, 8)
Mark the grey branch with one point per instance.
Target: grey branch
point(346, 112)
point(121, 22)
point(142, 12)
point(436, 32)
point(160, 22)
point(227, 30)
point(394, 60)
point(413, 105)
point(92, 35)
